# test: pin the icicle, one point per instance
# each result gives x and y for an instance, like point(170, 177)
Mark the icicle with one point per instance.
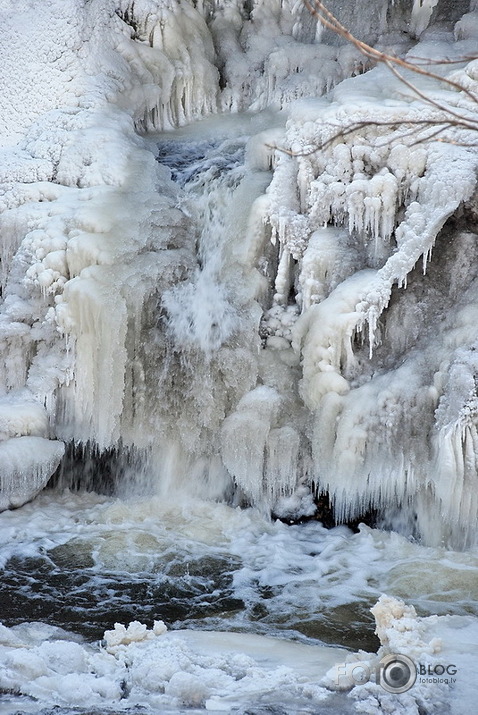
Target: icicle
point(244, 438)
point(421, 13)
point(282, 462)
point(317, 271)
point(356, 192)
point(283, 280)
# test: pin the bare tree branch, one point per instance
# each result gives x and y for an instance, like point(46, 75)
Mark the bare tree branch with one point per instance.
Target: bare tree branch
point(318, 9)
point(448, 117)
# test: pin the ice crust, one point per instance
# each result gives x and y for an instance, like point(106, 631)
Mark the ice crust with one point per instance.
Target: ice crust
point(155, 669)
point(430, 642)
point(293, 338)
point(26, 465)
point(221, 671)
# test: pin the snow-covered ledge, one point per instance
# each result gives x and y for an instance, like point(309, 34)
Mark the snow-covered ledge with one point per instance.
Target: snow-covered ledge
point(27, 457)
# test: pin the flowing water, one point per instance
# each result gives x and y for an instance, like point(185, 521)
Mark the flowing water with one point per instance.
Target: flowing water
point(84, 562)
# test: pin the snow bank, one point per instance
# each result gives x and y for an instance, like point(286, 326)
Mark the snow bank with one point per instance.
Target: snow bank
point(155, 669)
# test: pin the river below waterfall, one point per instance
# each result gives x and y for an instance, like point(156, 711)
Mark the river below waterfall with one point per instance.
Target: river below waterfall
point(224, 579)
point(83, 562)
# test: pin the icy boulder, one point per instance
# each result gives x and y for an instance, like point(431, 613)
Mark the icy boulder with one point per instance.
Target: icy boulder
point(26, 465)
point(427, 653)
point(27, 457)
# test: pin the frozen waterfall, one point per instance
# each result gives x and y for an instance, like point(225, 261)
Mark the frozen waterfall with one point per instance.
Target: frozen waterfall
point(234, 252)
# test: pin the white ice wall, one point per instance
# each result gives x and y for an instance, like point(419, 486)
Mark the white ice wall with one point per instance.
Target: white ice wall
point(384, 347)
point(94, 234)
point(83, 243)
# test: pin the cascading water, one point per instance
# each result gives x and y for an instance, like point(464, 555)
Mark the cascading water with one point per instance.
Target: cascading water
point(206, 320)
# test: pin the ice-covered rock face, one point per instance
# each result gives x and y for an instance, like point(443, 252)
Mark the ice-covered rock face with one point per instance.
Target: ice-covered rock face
point(263, 322)
point(366, 211)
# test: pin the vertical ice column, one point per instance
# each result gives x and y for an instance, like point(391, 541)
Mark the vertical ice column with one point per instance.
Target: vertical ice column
point(421, 13)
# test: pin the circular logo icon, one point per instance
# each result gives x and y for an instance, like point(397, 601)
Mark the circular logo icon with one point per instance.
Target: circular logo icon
point(397, 673)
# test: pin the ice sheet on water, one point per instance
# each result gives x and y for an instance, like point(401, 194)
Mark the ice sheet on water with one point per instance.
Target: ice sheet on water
point(218, 671)
point(225, 671)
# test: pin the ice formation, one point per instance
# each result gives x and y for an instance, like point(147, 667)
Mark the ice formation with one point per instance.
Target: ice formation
point(257, 320)
point(154, 669)
point(430, 645)
point(217, 671)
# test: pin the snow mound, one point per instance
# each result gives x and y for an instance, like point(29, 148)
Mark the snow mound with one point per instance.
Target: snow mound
point(434, 655)
point(26, 465)
point(155, 669)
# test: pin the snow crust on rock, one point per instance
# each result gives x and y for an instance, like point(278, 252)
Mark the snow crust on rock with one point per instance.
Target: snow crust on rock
point(26, 465)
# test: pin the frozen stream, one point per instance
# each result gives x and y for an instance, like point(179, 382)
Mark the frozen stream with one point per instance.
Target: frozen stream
point(200, 330)
point(218, 575)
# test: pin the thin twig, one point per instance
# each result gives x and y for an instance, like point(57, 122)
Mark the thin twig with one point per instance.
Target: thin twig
point(450, 117)
point(465, 59)
point(367, 123)
point(329, 20)
point(460, 119)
